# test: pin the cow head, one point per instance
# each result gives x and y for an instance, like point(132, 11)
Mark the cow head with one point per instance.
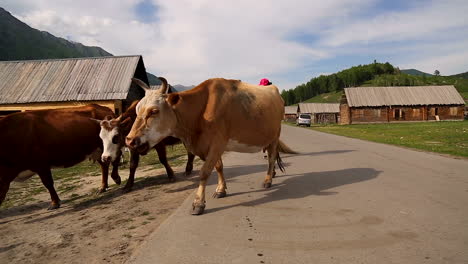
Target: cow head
point(112, 137)
point(155, 119)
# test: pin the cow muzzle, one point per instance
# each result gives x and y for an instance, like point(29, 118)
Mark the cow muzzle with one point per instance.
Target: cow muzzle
point(135, 144)
point(106, 159)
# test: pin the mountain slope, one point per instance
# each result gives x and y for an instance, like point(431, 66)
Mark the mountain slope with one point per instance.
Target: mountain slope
point(19, 41)
point(415, 72)
point(460, 75)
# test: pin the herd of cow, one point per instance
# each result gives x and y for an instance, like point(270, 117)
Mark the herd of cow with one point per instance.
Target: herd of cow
point(216, 116)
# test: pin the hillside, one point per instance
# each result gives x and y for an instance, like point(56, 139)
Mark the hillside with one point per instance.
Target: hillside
point(18, 41)
point(460, 75)
point(415, 72)
point(399, 80)
point(354, 76)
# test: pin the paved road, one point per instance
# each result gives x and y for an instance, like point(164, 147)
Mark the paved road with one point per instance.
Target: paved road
point(340, 201)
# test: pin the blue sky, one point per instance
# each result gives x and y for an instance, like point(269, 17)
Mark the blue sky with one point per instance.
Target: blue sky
point(287, 41)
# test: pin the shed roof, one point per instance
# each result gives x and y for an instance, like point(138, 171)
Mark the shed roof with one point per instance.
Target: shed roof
point(58, 80)
point(319, 108)
point(403, 95)
point(289, 110)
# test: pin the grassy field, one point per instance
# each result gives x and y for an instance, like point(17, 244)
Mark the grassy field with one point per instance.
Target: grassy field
point(442, 137)
point(67, 180)
point(332, 97)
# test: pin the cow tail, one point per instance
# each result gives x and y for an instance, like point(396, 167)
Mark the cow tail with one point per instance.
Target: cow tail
point(279, 161)
point(284, 148)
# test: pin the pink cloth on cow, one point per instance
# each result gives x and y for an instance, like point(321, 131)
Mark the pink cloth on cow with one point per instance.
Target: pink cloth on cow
point(264, 82)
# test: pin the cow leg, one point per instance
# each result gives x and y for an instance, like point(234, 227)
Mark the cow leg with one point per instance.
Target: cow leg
point(272, 154)
point(161, 149)
point(221, 188)
point(4, 186)
point(104, 177)
point(134, 160)
point(115, 169)
point(48, 181)
point(189, 166)
point(198, 206)
point(6, 176)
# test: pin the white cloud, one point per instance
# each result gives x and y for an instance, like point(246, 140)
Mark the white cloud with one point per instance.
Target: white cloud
point(420, 21)
point(193, 40)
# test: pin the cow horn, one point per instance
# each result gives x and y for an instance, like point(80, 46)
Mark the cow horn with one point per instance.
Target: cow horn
point(141, 84)
point(96, 120)
point(165, 87)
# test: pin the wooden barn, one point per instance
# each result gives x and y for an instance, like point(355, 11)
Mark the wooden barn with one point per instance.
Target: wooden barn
point(290, 113)
point(400, 104)
point(58, 83)
point(321, 113)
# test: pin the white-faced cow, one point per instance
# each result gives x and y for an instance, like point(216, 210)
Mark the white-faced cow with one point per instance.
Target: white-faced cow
point(216, 116)
point(113, 133)
point(34, 142)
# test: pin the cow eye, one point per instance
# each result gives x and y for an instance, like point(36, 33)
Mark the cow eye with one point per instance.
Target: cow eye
point(115, 139)
point(154, 111)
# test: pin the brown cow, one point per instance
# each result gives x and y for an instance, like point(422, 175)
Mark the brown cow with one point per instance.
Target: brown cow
point(36, 141)
point(216, 116)
point(113, 134)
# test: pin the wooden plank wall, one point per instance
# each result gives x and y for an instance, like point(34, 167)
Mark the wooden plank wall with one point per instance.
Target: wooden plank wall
point(114, 104)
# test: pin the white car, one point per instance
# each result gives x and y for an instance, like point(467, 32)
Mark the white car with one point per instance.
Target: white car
point(303, 120)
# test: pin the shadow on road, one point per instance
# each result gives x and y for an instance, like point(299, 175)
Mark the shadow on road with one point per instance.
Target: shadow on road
point(298, 186)
point(80, 202)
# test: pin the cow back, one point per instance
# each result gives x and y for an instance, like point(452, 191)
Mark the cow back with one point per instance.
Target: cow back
point(50, 138)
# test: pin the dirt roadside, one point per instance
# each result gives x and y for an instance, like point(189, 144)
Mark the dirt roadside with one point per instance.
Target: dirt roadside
point(91, 228)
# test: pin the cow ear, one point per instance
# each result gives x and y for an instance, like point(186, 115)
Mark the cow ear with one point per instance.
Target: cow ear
point(141, 84)
point(173, 99)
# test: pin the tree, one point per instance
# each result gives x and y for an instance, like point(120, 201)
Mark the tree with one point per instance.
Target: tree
point(436, 72)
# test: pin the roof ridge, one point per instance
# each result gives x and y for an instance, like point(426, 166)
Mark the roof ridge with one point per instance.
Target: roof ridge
point(78, 58)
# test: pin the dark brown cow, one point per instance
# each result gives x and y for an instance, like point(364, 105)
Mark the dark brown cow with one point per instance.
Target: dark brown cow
point(216, 116)
point(113, 133)
point(36, 141)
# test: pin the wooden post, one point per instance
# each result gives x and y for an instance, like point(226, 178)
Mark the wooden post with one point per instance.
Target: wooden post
point(388, 114)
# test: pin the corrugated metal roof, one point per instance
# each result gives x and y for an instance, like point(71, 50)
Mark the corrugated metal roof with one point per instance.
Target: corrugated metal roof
point(289, 110)
point(403, 95)
point(319, 108)
point(57, 80)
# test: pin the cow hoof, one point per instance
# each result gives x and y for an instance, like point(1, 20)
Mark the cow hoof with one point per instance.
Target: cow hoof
point(172, 179)
point(198, 209)
point(117, 180)
point(101, 190)
point(126, 189)
point(53, 206)
point(188, 170)
point(274, 174)
point(266, 185)
point(219, 195)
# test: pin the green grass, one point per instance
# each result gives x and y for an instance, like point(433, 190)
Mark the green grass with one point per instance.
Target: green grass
point(332, 97)
point(441, 137)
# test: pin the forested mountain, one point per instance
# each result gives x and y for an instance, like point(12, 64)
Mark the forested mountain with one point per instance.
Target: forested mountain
point(415, 72)
point(461, 75)
point(354, 76)
point(329, 88)
point(18, 41)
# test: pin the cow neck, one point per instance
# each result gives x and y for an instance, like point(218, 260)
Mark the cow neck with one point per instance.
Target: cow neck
point(188, 119)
